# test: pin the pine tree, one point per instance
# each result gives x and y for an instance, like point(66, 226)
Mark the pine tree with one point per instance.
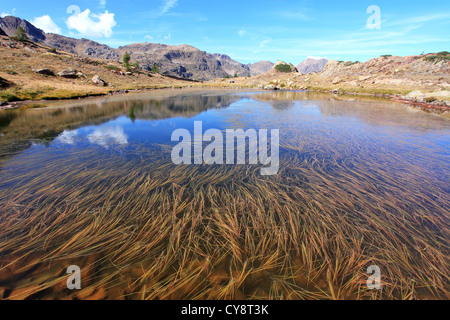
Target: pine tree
point(126, 60)
point(21, 35)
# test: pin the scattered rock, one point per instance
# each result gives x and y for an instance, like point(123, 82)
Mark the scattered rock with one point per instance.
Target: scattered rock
point(416, 95)
point(67, 74)
point(98, 81)
point(353, 83)
point(128, 73)
point(364, 78)
point(271, 87)
point(45, 71)
point(80, 75)
point(336, 80)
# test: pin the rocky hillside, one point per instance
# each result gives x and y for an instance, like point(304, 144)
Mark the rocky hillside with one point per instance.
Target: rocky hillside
point(80, 47)
point(9, 25)
point(182, 61)
point(259, 67)
point(32, 71)
point(423, 66)
point(311, 65)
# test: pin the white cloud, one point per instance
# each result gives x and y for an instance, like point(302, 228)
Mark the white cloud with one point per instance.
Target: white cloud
point(148, 37)
point(264, 43)
point(5, 14)
point(91, 24)
point(317, 58)
point(168, 4)
point(47, 24)
point(242, 32)
point(102, 3)
point(106, 137)
point(68, 137)
point(168, 37)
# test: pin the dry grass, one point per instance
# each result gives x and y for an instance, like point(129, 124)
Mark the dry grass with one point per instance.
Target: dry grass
point(17, 64)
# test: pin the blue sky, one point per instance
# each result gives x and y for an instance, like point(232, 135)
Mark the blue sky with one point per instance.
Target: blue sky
point(251, 31)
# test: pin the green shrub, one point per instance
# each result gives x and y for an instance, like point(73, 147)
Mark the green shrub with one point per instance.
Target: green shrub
point(155, 69)
point(437, 58)
point(20, 35)
point(9, 97)
point(283, 68)
point(115, 68)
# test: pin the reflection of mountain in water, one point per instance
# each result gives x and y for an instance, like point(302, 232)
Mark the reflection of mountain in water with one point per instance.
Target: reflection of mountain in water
point(20, 128)
point(371, 110)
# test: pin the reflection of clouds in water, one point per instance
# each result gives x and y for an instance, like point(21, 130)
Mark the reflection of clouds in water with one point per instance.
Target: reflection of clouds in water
point(68, 137)
point(108, 136)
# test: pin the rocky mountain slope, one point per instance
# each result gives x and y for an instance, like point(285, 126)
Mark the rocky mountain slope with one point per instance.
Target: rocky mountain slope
point(430, 65)
point(260, 67)
point(80, 47)
point(31, 71)
point(311, 65)
point(9, 25)
point(182, 61)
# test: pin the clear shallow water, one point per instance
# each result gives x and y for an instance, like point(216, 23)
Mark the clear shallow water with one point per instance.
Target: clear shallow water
point(382, 166)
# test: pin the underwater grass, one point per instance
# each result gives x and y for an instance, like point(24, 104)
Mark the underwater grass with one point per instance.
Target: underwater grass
point(142, 228)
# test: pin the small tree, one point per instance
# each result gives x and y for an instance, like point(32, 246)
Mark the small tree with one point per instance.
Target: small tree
point(21, 35)
point(235, 75)
point(155, 69)
point(126, 60)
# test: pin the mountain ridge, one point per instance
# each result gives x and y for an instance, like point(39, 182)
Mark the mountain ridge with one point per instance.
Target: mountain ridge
point(183, 61)
point(311, 65)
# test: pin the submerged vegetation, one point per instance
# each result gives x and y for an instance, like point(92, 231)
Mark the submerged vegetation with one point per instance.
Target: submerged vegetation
point(142, 228)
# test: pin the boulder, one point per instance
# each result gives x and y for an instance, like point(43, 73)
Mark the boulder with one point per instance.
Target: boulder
point(67, 74)
point(271, 87)
point(45, 71)
point(416, 95)
point(98, 81)
point(364, 78)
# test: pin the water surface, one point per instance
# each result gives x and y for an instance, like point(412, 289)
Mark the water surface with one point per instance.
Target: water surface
point(91, 183)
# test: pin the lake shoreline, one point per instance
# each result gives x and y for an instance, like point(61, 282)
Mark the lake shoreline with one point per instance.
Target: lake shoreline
point(436, 108)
